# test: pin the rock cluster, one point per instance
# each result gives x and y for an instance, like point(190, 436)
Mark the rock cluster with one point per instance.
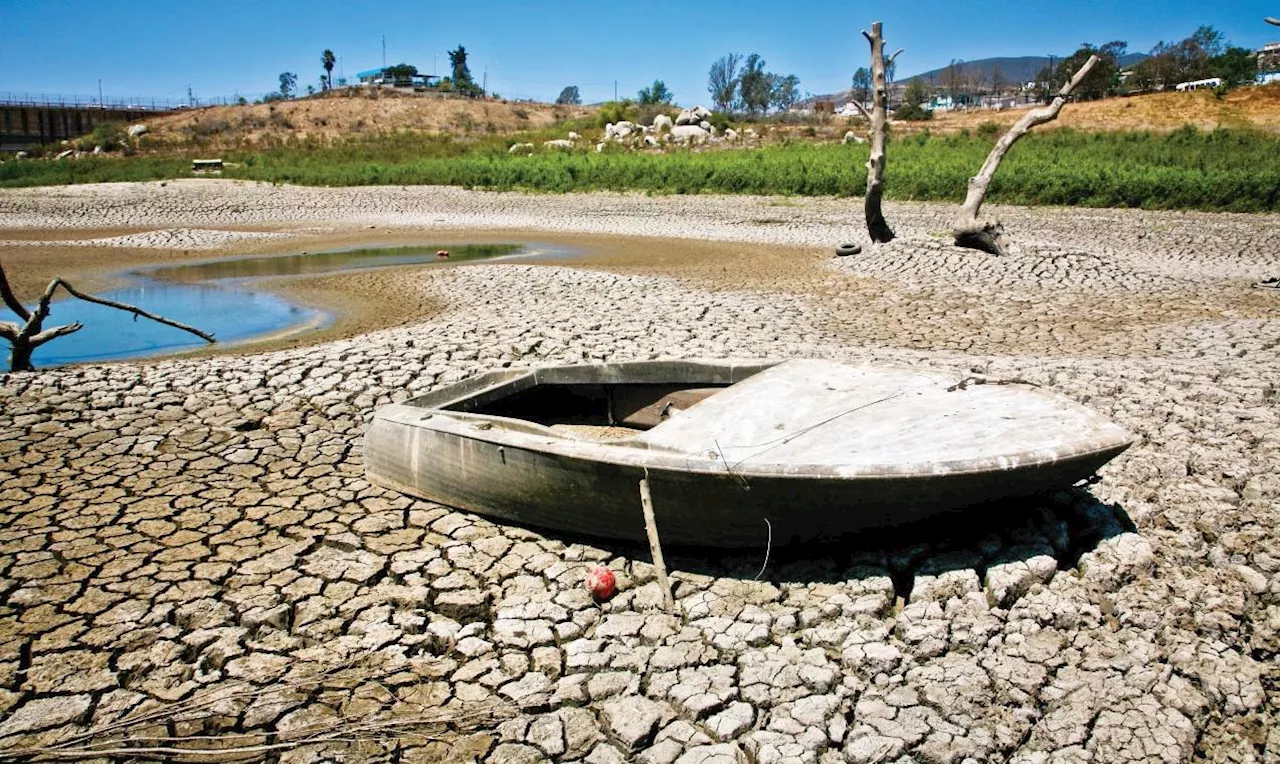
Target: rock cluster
point(189, 548)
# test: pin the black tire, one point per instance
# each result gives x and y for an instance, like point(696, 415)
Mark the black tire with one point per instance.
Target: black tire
point(844, 250)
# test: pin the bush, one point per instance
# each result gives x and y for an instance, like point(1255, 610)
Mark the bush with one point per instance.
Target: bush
point(616, 111)
point(988, 130)
point(912, 112)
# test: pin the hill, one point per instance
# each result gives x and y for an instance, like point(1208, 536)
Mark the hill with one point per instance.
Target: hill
point(325, 118)
point(1012, 70)
point(1019, 69)
point(1250, 108)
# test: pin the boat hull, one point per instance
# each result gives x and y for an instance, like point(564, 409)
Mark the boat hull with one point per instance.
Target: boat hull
point(597, 498)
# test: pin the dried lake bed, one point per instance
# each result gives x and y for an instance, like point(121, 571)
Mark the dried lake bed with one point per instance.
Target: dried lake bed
point(188, 547)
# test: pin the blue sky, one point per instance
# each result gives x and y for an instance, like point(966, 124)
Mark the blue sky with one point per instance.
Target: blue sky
point(156, 49)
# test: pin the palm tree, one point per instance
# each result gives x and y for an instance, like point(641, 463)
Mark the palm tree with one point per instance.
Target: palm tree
point(328, 60)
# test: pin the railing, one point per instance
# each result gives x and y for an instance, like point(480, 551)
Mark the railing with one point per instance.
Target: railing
point(116, 103)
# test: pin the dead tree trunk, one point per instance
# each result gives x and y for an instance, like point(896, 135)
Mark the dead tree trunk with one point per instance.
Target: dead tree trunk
point(989, 237)
point(877, 226)
point(31, 334)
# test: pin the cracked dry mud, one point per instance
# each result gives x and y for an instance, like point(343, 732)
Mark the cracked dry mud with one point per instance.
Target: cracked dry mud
point(188, 547)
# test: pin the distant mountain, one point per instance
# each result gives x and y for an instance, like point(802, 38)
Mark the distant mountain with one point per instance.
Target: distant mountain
point(1012, 70)
point(1021, 69)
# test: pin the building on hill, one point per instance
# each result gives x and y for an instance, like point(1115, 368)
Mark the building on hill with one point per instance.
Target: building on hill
point(1269, 57)
point(395, 76)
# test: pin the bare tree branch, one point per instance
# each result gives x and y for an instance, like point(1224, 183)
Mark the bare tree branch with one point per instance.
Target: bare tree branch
point(135, 310)
point(877, 226)
point(54, 333)
point(13, 303)
point(25, 338)
point(969, 232)
point(862, 110)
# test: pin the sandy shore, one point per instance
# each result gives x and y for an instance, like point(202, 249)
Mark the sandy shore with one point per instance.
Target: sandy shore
point(195, 535)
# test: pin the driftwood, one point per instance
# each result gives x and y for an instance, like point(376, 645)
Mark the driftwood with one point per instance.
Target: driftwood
point(31, 334)
point(877, 226)
point(989, 237)
point(655, 546)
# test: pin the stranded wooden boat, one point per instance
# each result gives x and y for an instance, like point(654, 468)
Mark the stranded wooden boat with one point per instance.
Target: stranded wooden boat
point(816, 448)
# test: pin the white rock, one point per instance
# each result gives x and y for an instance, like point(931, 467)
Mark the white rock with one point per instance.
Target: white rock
point(138, 129)
point(689, 133)
point(662, 122)
point(558, 144)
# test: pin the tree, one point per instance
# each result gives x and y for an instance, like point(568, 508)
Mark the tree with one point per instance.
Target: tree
point(401, 74)
point(913, 100)
point(1235, 66)
point(722, 82)
point(460, 73)
point(997, 81)
point(288, 84)
point(877, 226)
point(655, 94)
point(953, 80)
point(784, 92)
point(862, 84)
point(989, 237)
point(24, 338)
point(1102, 77)
point(569, 96)
point(327, 60)
point(754, 86)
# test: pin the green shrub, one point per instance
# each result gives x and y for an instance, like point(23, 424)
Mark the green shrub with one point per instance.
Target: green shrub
point(988, 130)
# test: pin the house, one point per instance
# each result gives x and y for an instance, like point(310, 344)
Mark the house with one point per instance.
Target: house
point(395, 77)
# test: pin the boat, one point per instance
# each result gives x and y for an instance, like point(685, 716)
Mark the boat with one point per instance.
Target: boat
point(736, 454)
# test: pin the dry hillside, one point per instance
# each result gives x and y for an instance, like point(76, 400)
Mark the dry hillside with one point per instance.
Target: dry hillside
point(1256, 107)
point(263, 124)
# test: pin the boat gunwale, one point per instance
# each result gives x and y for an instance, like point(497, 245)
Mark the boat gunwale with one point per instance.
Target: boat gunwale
point(553, 443)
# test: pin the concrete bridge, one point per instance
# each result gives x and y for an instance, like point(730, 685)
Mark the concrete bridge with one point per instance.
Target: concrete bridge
point(26, 124)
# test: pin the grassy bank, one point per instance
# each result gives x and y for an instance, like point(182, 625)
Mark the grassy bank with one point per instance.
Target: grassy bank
point(1215, 171)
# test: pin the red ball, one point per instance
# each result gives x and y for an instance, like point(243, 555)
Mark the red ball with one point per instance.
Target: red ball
point(601, 583)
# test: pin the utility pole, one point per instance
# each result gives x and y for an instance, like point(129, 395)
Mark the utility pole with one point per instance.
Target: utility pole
point(615, 90)
point(100, 101)
point(384, 51)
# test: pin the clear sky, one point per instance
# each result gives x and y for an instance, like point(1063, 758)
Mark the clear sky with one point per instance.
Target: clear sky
point(156, 48)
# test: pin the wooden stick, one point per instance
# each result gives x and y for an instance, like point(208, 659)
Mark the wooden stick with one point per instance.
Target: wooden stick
point(655, 546)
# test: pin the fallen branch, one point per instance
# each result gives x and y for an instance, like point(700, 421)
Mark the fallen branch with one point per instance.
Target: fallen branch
point(1273, 21)
point(989, 237)
point(877, 227)
point(31, 334)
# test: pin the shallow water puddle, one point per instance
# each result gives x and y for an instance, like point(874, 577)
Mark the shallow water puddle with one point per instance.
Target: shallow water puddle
point(220, 296)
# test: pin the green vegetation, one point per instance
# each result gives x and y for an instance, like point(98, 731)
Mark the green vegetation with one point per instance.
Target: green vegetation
point(1188, 169)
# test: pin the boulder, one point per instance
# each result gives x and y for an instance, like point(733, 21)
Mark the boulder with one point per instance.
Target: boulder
point(662, 122)
point(139, 129)
point(693, 116)
point(21, 155)
point(558, 144)
point(521, 148)
point(650, 141)
point(731, 135)
point(851, 137)
point(690, 134)
point(574, 136)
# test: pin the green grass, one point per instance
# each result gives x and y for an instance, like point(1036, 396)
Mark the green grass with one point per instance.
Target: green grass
point(1217, 171)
